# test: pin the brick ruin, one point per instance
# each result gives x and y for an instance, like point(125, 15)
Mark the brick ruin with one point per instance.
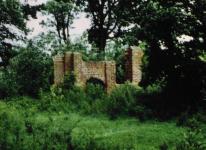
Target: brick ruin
point(101, 70)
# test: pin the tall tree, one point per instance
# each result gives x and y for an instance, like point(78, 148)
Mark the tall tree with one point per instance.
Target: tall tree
point(106, 17)
point(11, 24)
point(32, 10)
point(63, 14)
point(161, 24)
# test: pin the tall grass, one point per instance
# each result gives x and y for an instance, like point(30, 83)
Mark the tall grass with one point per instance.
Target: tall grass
point(36, 129)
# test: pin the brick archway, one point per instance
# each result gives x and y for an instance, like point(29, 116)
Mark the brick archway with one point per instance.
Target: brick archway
point(96, 81)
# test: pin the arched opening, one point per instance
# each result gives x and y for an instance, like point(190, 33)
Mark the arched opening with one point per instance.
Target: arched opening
point(96, 82)
point(95, 88)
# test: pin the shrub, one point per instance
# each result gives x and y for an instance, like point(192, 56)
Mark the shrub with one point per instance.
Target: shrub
point(156, 87)
point(69, 81)
point(11, 129)
point(95, 92)
point(121, 100)
point(32, 69)
point(8, 86)
point(54, 101)
point(96, 97)
point(124, 101)
point(192, 121)
point(77, 97)
point(193, 140)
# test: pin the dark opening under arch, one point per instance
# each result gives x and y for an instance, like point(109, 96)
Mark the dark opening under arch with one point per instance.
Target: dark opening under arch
point(96, 81)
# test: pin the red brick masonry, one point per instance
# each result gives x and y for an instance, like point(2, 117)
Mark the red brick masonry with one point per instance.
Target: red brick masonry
point(102, 70)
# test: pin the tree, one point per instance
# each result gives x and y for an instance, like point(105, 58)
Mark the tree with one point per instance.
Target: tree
point(160, 24)
point(11, 26)
point(63, 14)
point(31, 10)
point(107, 22)
point(32, 70)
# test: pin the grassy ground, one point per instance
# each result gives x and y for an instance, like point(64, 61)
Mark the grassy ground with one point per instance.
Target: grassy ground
point(30, 128)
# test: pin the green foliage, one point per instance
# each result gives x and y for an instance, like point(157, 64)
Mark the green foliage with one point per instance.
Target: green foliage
point(63, 13)
point(124, 101)
point(83, 139)
point(69, 81)
point(193, 140)
point(161, 24)
point(8, 86)
point(12, 130)
point(95, 92)
point(155, 88)
point(24, 128)
point(12, 26)
point(116, 52)
point(32, 69)
point(106, 19)
point(192, 121)
point(46, 42)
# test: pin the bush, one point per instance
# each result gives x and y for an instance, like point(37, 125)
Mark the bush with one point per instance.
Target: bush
point(188, 121)
point(77, 97)
point(124, 101)
point(95, 92)
point(155, 88)
point(69, 81)
point(193, 140)
point(32, 69)
point(21, 132)
point(8, 86)
point(192, 121)
point(121, 100)
point(25, 129)
point(12, 132)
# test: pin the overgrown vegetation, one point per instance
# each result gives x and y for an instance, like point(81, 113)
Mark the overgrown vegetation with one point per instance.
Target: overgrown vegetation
point(166, 111)
point(24, 125)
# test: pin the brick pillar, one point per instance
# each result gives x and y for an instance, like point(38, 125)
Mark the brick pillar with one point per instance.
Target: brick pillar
point(128, 65)
point(133, 65)
point(68, 62)
point(137, 55)
point(58, 69)
point(110, 75)
point(77, 64)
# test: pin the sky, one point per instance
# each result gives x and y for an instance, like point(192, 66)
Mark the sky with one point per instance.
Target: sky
point(80, 23)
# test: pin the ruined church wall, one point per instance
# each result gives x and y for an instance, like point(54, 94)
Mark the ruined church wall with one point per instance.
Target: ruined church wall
point(95, 70)
point(102, 70)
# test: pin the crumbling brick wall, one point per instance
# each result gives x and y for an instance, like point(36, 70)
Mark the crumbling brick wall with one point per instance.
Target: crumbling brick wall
point(133, 65)
point(102, 70)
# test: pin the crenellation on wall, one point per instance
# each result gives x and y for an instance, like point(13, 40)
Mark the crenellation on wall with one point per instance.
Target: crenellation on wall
point(102, 70)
